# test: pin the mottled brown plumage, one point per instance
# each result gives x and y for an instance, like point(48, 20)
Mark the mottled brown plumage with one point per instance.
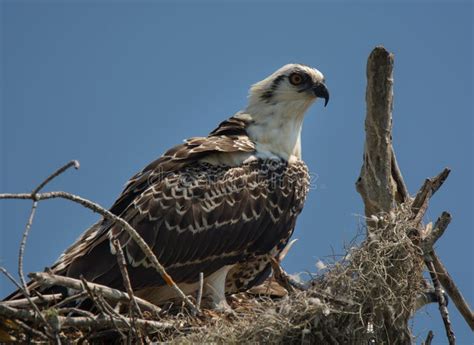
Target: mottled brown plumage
point(222, 204)
point(198, 217)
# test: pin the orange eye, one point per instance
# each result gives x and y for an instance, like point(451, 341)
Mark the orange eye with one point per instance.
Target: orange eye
point(296, 78)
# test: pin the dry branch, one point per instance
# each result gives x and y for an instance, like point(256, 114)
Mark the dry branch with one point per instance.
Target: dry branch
point(453, 291)
point(443, 308)
point(429, 188)
point(34, 206)
point(126, 279)
point(429, 338)
point(380, 182)
point(439, 227)
point(48, 279)
point(133, 304)
point(38, 300)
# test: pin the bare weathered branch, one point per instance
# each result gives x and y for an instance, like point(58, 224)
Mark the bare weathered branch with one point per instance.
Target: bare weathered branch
point(21, 252)
point(55, 174)
point(429, 338)
point(380, 182)
point(102, 304)
point(126, 279)
point(429, 188)
point(38, 300)
point(439, 227)
point(48, 279)
point(134, 308)
point(34, 206)
point(442, 303)
point(453, 291)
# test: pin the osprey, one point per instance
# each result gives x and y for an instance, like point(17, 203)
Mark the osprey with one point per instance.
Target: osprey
point(222, 205)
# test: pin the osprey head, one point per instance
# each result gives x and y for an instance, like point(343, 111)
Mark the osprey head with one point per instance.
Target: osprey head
point(292, 82)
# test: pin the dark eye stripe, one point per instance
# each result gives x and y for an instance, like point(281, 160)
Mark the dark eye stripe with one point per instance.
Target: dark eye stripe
point(267, 95)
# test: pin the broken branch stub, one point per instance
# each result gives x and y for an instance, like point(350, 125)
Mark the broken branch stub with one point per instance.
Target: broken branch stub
point(380, 182)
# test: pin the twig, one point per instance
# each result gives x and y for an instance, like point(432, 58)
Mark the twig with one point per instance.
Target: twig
point(453, 291)
point(429, 188)
point(113, 316)
point(442, 303)
point(75, 310)
point(69, 299)
point(112, 217)
point(102, 306)
point(439, 228)
point(21, 252)
point(429, 338)
point(73, 163)
point(133, 305)
point(126, 279)
point(26, 232)
point(48, 279)
point(18, 303)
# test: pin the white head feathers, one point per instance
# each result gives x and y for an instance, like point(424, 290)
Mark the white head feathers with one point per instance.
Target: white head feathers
point(277, 106)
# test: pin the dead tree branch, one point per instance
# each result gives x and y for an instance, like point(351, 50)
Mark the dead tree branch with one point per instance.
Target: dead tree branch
point(429, 338)
point(380, 182)
point(453, 291)
point(34, 206)
point(47, 279)
point(38, 300)
point(126, 279)
point(442, 303)
point(429, 239)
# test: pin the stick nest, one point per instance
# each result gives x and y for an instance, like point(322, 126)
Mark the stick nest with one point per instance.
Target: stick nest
point(374, 284)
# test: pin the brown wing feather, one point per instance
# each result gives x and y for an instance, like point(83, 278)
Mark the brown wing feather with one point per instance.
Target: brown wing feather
point(194, 225)
point(224, 227)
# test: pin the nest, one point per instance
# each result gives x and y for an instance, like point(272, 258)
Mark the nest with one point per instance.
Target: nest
point(370, 292)
point(352, 301)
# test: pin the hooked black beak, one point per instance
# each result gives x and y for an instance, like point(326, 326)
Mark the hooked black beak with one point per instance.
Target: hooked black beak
point(320, 90)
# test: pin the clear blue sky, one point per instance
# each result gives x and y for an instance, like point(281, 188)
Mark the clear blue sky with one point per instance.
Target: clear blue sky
point(114, 84)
